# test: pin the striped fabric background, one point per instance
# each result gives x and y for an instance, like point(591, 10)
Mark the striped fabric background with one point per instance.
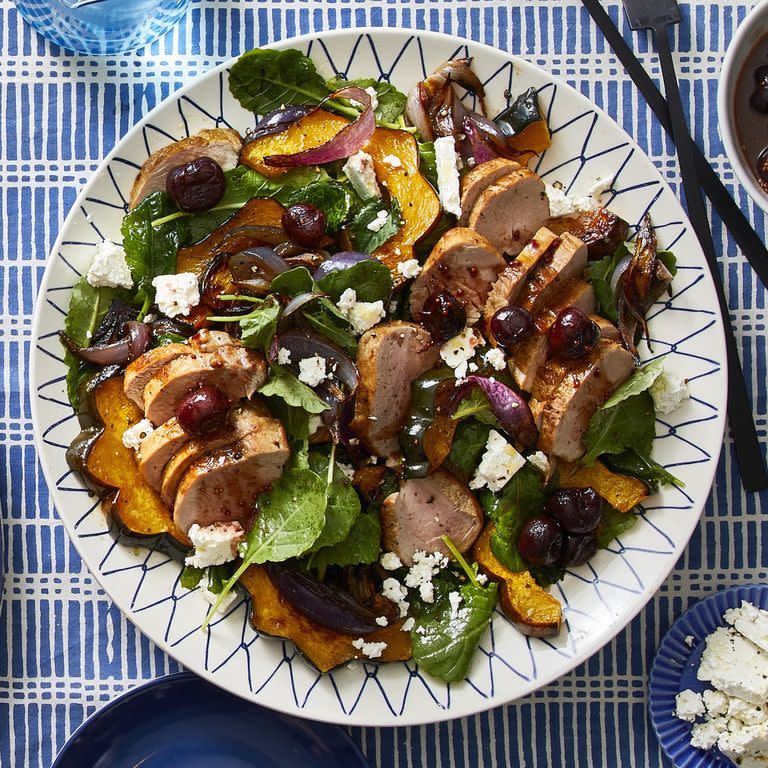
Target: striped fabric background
point(64, 650)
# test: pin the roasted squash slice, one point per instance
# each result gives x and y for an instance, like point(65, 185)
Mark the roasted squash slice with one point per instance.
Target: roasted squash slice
point(272, 614)
point(530, 608)
point(620, 491)
point(136, 514)
point(524, 125)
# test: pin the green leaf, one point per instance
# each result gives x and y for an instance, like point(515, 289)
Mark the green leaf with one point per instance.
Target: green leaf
point(612, 524)
point(638, 382)
point(191, 577)
point(258, 327)
point(263, 80)
point(428, 161)
point(667, 258)
point(294, 419)
point(293, 282)
point(371, 280)
point(335, 199)
point(630, 424)
point(467, 449)
point(323, 317)
point(476, 404)
point(367, 240)
point(283, 384)
point(630, 462)
point(362, 545)
point(444, 646)
point(600, 274)
point(391, 101)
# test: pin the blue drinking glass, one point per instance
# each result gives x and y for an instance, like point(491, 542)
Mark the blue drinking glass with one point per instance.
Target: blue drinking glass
point(102, 27)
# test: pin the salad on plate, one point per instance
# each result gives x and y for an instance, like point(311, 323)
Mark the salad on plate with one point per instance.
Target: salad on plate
point(363, 366)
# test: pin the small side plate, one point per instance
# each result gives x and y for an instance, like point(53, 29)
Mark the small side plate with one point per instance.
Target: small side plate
point(674, 670)
point(181, 720)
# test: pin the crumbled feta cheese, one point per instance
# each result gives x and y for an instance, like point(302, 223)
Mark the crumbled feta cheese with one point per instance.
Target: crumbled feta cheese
point(540, 461)
point(409, 268)
point(420, 574)
point(454, 599)
point(716, 703)
point(561, 204)
point(669, 392)
point(393, 161)
point(448, 174)
point(313, 424)
point(751, 622)
point(176, 294)
point(382, 621)
point(500, 461)
point(212, 597)
point(283, 356)
point(133, 436)
point(458, 351)
point(421, 630)
point(496, 358)
point(312, 370)
point(396, 593)
point(482, 578)
point(408, 624)
point(689, 705)
point(390, 561)
point(214, 544)
point(750, 742)
point(109, 268)
point(362, 175)
point(689, 641)
point(371, 650)
point(704, 735)
point(150, 317)
point(378, 222)
point(371, 91)
point(748, 714)
point(362, 315)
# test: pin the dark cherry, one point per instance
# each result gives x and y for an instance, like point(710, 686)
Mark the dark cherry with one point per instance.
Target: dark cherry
point(304, 223)
point(511, 325)
point(203, 410)
point(197, 185)
point(443, 315)
point(578, 549)
point(573, 334)
point(578, 510)
point(541, 541)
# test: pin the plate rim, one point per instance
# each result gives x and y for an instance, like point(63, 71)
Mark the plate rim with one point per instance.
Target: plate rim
point(455, 710)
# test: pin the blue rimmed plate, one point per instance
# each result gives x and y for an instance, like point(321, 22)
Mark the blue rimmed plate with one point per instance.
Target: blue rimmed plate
point(181, 720)
point(674, 670)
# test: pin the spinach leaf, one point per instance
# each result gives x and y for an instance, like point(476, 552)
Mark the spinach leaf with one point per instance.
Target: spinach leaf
point(335, 199)
point(443, 583)
point(323, 317)
point(293, 282)
point(168, 338)
point(294, 418)
point(263, 80)
point(638, 382)
point(191, 577)
point(629, 424)
point(362, 545)
point(468, 447)
point(600, 274)
point(476, 404)
point(444, 646)
point(428, 161)
point(258, 327)
point(667, 258)
point(630, 462)
point(283, 384)
point(367, 240)
point(612, 524)
point(371, 280)
point(391, 101)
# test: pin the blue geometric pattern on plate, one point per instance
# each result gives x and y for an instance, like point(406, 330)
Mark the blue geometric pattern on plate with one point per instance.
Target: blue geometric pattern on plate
point(598, 599)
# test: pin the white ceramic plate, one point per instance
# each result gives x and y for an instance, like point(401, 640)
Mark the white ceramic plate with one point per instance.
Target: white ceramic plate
point(599, 599)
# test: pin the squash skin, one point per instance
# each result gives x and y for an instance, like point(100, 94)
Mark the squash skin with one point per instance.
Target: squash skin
point(530, 608)
point(621, 491)
point(135, 513)
point(325, 649)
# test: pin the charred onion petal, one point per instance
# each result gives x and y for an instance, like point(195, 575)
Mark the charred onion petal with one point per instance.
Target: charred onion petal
point(346, 142)
point(165, 325)
point(332, 608)
point(341, 260)
point(297, 302)
point(416, 111)
point(112, 325)
point(461, 72)
point(477, 145)
point(277, 121)
point(256, 267)
point(259, 233)
point(512, 411)
point(120, 352)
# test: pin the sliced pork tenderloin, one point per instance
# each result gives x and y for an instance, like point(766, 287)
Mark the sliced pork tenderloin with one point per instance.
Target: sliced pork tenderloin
point(158, 448)
point(480, 178)
point(143, 368)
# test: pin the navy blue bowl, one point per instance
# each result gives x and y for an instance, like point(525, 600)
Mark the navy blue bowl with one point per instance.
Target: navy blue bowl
point(182, 721)
point(674, 670)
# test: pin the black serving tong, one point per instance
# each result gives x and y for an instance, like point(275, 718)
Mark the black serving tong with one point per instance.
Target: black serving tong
point(658, 15)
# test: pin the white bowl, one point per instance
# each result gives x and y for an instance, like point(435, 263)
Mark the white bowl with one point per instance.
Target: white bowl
point(751, 30)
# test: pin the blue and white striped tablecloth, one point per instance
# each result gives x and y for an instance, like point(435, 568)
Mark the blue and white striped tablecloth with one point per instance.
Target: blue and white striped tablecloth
point(61, 113)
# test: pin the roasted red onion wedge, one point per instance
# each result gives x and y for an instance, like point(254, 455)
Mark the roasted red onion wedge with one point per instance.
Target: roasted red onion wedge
point(341, 260)
point(277, 121)
point(135, 343)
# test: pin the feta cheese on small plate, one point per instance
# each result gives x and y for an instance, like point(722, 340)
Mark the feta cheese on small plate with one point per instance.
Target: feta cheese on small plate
point(393, 161)
point(109, 268)
point(283, 356)
point(716, 702)
point(312, 370)
point(362, 175)
point(751, 622)
point(133, 436)
point(562, 204)
point(214, 544)
point(408, 624)
point(176, 294)
point(371, 91)
point(396, 593)
point(540, 461)
point(446, 161)
point(704, 735)
point(689, 705)
point(419, 576)
point(498, 464)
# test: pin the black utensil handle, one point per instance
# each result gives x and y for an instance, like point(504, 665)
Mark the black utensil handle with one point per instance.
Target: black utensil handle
point(748, 450)
point(736, 222)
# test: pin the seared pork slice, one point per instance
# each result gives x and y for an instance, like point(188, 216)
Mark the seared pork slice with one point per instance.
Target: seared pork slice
point(220, 144)
point(512, 278)
point(510, 210)
point(389, 358)
point(567, 412)
point(246, 417)
point(566, 261)
point(607, 329)
point(144, 367)
point(158, 448)
point(238, 372)
point(478, 179)
point(425, 509)
point(206, 340)
point(601, 230)
point(464, 263)
point(222, 486)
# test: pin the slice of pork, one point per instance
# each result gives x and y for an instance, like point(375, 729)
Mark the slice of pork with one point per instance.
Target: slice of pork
point(478, 179)
point(510, 210)
point(389, 358)
point(464, 263)
point(567, 413)
point(561, 264)
point(206, 340)
point(601, 230)
point(223, 486)
point(144, 367)
point(425, 509)
point(607, 329)
point(238, 372)
point(158, 448)
point(220, 144)
point(246, 417)
point(512, 278)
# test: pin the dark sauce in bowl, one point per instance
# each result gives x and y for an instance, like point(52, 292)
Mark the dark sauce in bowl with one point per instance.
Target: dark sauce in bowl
point(750, 109)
